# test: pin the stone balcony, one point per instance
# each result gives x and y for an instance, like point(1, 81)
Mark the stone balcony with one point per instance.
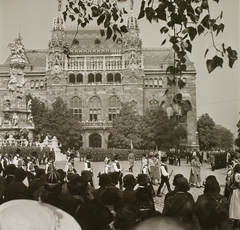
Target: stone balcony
point(96, 124)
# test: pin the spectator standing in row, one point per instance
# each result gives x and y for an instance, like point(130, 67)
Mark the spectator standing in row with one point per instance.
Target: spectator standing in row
point(131, 159)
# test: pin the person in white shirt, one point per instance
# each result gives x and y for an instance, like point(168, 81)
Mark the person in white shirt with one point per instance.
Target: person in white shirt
point(164, 177)
point(117, 168)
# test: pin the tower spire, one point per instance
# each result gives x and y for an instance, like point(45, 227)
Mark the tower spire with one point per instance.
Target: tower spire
point(59, 5)
point(131, 5)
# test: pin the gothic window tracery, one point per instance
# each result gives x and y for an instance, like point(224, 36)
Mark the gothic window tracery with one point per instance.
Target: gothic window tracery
point(76, 107)
point(114, 106)
point(95, 109)
point(153, 103)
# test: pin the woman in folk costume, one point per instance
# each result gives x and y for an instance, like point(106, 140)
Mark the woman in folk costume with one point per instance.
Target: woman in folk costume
point(107, 165)
point(234, 208)
point(144, 165)
point(195, 177)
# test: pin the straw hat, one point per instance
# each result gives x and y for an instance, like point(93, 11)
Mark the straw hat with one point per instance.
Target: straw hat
point(34, 215)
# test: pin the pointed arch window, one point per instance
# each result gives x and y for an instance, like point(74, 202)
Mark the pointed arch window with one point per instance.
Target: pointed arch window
point(76, 107)
point(79, 78)
point(150, 82)
point(72, 78)
point(41, 84)
point(145, 82)
point(37, 84)
point(155, 82)
point(118, 78)
point(98, 78)
point(153, 103)
point(32, 84)
point(95, 109)
point(110, 78)
point(160, 82)
point(114, 106)
point(91, 78)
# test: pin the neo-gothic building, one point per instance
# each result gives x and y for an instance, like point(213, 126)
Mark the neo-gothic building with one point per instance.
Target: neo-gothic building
point(98, 76)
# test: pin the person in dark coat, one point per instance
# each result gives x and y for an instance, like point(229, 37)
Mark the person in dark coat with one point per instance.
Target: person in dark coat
point(53, 189)
point(17, 189)
point(90, 214)
point(144, 198)
point(173, 192)
point(35, 184)
point(129, 195)
point(104, 181)
point(181, 204)
point(9, 173)
point(211, 208)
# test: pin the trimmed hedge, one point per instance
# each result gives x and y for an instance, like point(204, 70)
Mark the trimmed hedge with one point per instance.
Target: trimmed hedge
point(99, 154)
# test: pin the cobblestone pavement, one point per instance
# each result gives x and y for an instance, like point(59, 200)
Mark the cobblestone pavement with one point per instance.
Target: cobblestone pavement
point(183, 169)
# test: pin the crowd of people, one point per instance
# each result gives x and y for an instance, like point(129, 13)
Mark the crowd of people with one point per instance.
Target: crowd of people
point(124, 201)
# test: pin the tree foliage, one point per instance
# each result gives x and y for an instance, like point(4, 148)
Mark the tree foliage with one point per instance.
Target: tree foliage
point(224, 137)
point(205, 128)
point(157, 130)
point(57, 121)
point(212, 135)
point(182, 21)
point(126, 128)
point(149, 131)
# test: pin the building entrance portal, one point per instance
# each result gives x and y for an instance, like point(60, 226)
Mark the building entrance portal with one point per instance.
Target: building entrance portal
point(95, 140)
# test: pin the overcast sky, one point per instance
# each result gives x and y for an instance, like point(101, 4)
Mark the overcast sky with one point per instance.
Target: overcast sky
point(217, 93)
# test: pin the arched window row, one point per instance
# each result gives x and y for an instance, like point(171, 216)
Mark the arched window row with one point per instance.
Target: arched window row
point(97, 78)
point(37, 84)
point(95, 108)
point(75, 78)
point(114, 78)
point(153, 82)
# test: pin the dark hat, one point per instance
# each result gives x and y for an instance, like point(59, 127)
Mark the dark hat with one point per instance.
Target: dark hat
point(211, 177)
point(212, 187)
point(114, 177)
point(104, 179)
point(54, 182)
point(116, 157)
point(20, 174)
point(176, 177)
point(142, 179)
point(182, 184)
point(129, 181)
point(77, 185)
point(62, 173)
point(10, 169)
point(39, 173)
point(87, 175)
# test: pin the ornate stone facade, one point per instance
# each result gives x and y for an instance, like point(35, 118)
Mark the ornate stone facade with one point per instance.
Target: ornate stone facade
point(95, 76)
